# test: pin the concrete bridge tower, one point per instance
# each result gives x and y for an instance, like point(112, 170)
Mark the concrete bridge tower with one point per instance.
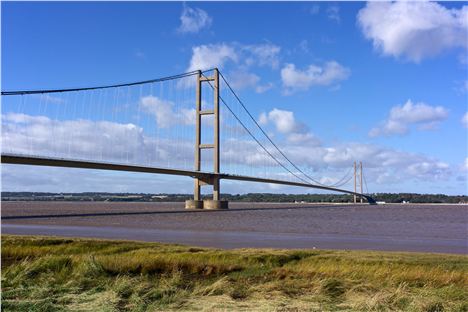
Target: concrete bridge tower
point(216, 202)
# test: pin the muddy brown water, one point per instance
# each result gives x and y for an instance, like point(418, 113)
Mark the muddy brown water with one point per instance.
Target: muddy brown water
point(395, 227)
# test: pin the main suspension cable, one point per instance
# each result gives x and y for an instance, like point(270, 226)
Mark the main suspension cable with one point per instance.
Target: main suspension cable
point(101, 87)
point(256, 140)
point(268, 137)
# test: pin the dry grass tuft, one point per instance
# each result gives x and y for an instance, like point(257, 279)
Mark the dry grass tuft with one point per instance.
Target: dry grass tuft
point(53, 274)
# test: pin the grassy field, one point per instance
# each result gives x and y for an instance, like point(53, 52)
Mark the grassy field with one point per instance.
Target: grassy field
point(53, 274)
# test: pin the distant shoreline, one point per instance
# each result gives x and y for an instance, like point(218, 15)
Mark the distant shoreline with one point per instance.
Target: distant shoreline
point(247, 202)
point(250, 197)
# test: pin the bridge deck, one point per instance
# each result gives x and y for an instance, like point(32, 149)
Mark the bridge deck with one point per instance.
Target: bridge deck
point(68, 163)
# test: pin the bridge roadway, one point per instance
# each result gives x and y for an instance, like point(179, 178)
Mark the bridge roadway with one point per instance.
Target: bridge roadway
point(69, 163)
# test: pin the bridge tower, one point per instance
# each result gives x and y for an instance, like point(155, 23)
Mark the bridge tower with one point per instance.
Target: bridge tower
point(358, 172)
point(216, 202)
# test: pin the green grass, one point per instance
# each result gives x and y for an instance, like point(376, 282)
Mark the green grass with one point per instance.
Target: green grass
point(53, 274)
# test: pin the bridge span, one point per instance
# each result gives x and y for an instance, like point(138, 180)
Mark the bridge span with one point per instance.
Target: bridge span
point(159, 126)
point(205, 176)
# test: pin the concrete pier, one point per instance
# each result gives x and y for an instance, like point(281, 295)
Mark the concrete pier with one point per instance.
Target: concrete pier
point(215, 204)
point(209, 204)
point(193, 204)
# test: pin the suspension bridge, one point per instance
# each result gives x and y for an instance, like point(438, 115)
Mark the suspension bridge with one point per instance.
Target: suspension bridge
point(192, 124)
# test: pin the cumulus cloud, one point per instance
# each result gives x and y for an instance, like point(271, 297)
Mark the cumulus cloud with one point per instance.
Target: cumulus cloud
point(212, 55)
point(165, 114)
point(329, 73)
point(380, 162)
point(241, 57)
point(401, 117)
point(262, 54)
point(414, 29)
point(129, 143)
point(92, 140)
point(218, 54)
point(464, 120)
point(193, 20)
point(283, 120)
point(40, 135)
point(384, 166)
point(132, 143)
point(286, 124)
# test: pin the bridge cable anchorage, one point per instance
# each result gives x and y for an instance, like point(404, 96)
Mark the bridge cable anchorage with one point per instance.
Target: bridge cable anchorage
point(256, 140)
point(23, 92)
point(268, 137)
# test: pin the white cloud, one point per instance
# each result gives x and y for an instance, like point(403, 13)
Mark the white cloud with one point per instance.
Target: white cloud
point(242, 57)
point(464, 120)
point(263, 119)
point(263, 88)
point(383, 162)
point(385, 166)
point(241, 79)
point(414, 29)
point(212, 55)
point(165, 114)
point(283, 120)
point(303, 138)
point(93, 140)
point(401, 117)
point(435, 169)
point(218, 54)
point(193, 20)
point(333, 13)
point(130, 143)
point(262, 54)
point(329, 74)
point(286, 124)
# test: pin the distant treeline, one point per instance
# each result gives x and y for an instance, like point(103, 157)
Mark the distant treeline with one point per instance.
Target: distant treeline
point(251, 197)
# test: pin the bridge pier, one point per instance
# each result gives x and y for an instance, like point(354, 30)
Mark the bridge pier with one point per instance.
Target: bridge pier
point(193, 204)
point(215, 204)
point(208, 204)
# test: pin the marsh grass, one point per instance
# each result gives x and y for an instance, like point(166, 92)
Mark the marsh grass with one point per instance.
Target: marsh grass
point(53, 274)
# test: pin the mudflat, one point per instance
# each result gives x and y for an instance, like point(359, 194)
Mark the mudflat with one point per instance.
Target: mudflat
point(403, 227)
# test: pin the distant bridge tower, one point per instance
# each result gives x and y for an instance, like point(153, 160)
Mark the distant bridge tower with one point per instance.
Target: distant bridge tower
point(358, 172)
point(216, 202)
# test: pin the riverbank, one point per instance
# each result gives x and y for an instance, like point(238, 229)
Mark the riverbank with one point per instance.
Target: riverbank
point(46, 273)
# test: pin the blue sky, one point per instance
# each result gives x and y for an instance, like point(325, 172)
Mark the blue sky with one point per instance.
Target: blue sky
point(344, 79)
